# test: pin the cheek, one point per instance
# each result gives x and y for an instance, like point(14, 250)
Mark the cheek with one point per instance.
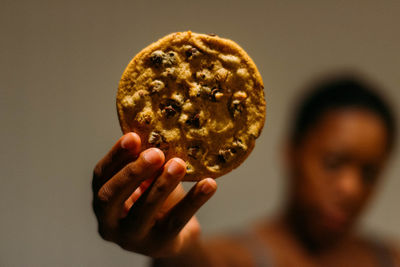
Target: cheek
point(311, 181)
point(360, 199)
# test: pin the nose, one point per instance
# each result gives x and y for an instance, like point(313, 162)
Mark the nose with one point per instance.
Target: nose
point(349, 186)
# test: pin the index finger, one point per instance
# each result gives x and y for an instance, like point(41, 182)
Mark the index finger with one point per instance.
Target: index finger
point(125, 150)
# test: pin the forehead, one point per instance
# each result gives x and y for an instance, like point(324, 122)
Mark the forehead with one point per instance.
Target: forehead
point(355, 129)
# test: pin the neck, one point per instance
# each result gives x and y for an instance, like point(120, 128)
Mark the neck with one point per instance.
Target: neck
point(308, 237)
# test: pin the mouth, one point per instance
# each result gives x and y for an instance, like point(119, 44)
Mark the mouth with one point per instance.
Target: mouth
point(334, 219)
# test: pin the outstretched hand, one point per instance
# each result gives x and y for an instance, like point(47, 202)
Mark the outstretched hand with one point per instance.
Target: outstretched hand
point(139, 201)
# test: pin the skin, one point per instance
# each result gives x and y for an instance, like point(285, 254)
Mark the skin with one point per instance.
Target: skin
point(334, 171)
point(139, 202)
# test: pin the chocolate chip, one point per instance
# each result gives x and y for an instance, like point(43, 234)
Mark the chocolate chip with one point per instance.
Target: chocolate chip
point(194, 121)
point(155, 138)
point(194, 151)
point(169, 102)
point(174, 103)
point(169, 59)
point(169, 111)
point(238, 145)
point(170, 107)
point(203, 75)
point(159, 58)
point(221, 158)
point(192, 52)
point(156, 58)
point(225, 155)
point(236, 108)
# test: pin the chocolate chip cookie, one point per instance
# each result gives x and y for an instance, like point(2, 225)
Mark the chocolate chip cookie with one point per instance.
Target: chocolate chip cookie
point(195, 96)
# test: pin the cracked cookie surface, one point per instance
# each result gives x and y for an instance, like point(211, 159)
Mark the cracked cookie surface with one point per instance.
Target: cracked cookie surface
point(195, 96)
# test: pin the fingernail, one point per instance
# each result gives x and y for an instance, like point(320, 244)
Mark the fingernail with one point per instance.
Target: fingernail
point(152, 156)
point(206, 188)
point(175, 167)
point(128, 141)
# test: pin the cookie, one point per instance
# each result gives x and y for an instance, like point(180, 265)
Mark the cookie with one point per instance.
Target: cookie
point(195, 96)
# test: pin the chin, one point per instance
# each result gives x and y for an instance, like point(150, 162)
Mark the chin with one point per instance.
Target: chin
point(329, 234)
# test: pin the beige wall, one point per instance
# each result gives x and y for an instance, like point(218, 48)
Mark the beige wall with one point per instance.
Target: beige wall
point(60, 64)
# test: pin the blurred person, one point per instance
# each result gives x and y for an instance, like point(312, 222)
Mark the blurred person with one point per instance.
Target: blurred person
point(338, 144)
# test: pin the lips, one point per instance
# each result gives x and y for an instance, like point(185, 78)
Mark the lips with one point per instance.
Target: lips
point(334, 219)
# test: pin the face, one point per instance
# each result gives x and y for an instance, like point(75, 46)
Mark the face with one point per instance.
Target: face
point(335, 170)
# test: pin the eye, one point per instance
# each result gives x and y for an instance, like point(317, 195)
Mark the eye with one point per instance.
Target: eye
point(369, 174)
point(332, 163)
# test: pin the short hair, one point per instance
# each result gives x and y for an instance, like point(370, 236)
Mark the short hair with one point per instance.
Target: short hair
point(339, 92)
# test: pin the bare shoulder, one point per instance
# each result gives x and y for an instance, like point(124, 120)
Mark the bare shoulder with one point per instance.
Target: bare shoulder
point(221, 251)
point(229, 250)
point(234, 248)
point(395, 250)
point(386, 248)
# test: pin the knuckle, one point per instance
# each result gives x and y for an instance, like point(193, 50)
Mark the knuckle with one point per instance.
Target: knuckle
point(194, 202)
point(175, 177)
point(130, 244)
point(162, 187)
point(129, 227)
point(104, 195)
point(175, 225)
point(131, 170)
point(104, 233)
point(174, 248)
point(98, 170)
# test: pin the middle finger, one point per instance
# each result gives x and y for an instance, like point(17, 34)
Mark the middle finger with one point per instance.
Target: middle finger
point(114, 192)
point(145, 208)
